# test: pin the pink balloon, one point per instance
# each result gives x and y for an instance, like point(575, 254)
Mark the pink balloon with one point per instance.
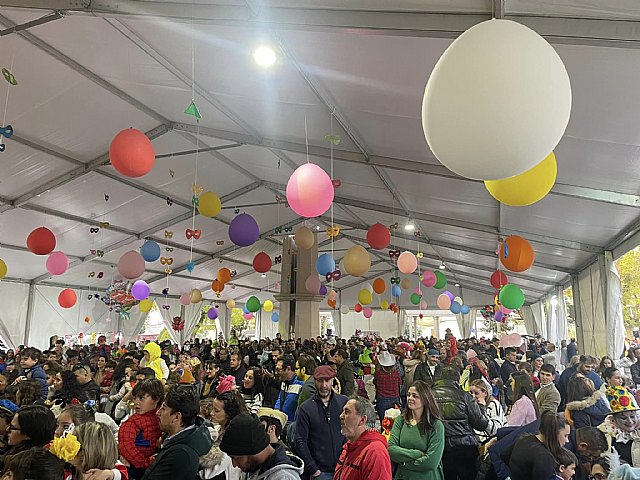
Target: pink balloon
point(312, 284)
point(184, 299)
point(309, 191)
point(57, 263)
point(247, 316)
point(367, 312)
point(444, 302)
point(423, 304)
point(429, 278)
point(407, 262)
point(504, 309)
point(418, 291)
point(131, 265)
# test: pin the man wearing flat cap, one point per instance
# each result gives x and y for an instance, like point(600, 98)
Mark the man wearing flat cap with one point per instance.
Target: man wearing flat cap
point(429, 371)
point(318, 440)
point(247, 443)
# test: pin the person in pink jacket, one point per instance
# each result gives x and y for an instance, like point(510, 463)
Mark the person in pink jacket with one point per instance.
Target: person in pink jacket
point(524, 409)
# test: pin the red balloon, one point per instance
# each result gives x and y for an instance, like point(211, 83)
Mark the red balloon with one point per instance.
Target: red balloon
point(392, 306)
point(357, 308)
point(41, 241)
point(262, 263)
point(131, 153)
point(378, 236)
point(67, 298)
point(498, 279)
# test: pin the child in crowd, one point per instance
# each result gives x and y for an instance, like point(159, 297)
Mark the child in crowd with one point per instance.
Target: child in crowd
point(139, 435)
point(566, 465)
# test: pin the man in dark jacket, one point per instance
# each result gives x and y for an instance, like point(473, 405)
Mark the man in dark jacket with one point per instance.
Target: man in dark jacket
point(87, 385)
point(188, 437)
point(345, 375)
point(318, 440)
point(238, 370)
point(461, 415)
point(585, 367)
point(429, 371)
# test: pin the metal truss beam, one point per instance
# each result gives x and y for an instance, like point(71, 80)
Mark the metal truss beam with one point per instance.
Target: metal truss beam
point(33, 23)
point(568, 29)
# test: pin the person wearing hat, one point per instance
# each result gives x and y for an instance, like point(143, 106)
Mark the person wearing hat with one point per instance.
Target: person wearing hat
point(318, 440)
point(273, 422)
point(7, 411)
point(429, 371)
point(247, 443)
point(622, 427)
point(387, 381)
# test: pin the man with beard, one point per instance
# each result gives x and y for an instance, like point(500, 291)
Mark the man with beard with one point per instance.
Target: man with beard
point(429, 371)
point(318, 439)
point(247, 443)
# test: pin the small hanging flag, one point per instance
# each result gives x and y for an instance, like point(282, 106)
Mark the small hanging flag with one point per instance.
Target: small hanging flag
point(190, 267)
point(192, 110)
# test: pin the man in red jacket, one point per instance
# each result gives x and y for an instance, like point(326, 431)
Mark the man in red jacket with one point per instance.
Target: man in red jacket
point(365, 455)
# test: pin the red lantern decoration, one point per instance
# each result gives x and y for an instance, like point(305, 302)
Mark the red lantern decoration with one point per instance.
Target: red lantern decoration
point(262, 263)
point(41, 241)
point(378, 236)
point(357, 308)
point(498, 279)
point(131, 153)
point(67, 298)
point(516, 254)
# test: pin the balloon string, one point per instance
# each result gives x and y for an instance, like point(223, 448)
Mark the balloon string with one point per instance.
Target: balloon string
point(195, 194)
point(332, 220)
point(6, 99)
point(306, 135)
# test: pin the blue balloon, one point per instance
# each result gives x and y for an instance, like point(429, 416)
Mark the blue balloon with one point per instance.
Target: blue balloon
point(456, 307)
point(396, 291)
point(245, 309)
point(465, 309)
point(325, 264)
point(150, 251)
point(275, 318)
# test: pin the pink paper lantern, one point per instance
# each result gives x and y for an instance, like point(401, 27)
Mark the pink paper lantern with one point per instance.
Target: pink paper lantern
point(367, 312)
point(57, 263)
point(444, 302)
point(407, 262)
point(429, 278)
point(309, 191)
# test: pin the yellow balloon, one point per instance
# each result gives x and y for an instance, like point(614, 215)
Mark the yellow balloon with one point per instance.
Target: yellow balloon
point(364, 297)
point(304, 238)
point(405, 284)
point(384, 304)
point(231, 303)
point(528, 187)
point(268, 305)
point(357, 261)
point(209, 204)
point(145, 305)
point(195, 296)
point(3, 269)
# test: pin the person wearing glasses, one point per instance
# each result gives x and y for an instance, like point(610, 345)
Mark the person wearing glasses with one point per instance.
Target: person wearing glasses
point(32, 426)
point(318, 439)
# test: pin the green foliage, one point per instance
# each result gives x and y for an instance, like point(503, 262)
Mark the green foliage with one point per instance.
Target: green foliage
point(239, 324)
point(629, 270)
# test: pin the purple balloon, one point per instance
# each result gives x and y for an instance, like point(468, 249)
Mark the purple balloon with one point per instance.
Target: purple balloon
point(212, 313)
point(140, 290)
point(499, 316)
point(449, 294)
point(243, 230)
point(323, 290)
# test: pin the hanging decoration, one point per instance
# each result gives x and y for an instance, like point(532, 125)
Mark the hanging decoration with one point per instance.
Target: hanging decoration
point(262, 262)
point(67, 298)
point(177, 324)
point(131, 265)
point(304, 238)
point(309, 191)
point(357, 261)
point(244, 230)
point(498, 279)
point(41, 241)
point(407, 263)
point(325, 264)
point(131, 153)
point(57, 263)
point(516, 254)
point(209, 204)
point(3, 269)
point(150, 251)
point(378, 236)
point(5, 132)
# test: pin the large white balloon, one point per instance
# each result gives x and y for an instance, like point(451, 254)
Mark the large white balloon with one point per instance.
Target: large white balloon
point(497, 102)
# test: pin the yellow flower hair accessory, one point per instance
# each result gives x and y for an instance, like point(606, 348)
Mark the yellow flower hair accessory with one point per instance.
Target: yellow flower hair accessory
point(65, 448)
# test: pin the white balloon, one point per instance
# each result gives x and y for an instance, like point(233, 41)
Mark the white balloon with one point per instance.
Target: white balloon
point(459, 300)
point(344, 309)
point(497, 102)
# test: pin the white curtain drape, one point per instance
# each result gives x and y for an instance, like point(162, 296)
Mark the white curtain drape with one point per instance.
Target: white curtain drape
point(191, 318)
point(589, 299)
point(534, 319)
point(556, 319)
point(14, 299)
point(466, 322)
point(615, 330)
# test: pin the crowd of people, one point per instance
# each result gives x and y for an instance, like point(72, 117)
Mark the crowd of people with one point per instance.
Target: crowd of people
point(322, 408)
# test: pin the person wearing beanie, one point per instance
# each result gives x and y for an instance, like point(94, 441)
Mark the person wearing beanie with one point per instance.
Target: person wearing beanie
point(318, 440)
point(429, 371)
point(247, 443)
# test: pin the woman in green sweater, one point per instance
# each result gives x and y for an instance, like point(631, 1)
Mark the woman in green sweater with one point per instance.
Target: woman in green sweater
point(416, 442)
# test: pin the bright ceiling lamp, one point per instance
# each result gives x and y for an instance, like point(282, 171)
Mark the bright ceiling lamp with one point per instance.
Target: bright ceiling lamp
point(264, 56)
point(442, 267)
point(410, 226)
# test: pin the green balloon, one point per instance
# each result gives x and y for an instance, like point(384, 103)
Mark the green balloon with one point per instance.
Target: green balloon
point(415, 298)
point(441, 280)
point(253, 304)
point(511, 296)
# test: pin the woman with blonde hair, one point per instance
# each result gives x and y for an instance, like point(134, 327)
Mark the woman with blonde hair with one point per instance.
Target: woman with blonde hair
point(481, 392)
point(98, 455)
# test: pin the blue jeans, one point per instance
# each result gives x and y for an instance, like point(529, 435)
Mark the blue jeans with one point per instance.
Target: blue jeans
point(383, 404)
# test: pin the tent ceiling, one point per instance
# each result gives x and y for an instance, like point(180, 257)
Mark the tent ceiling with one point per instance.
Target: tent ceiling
point(83, 78)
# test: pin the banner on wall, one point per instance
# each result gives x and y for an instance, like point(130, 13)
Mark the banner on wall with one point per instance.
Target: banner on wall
point(89, 338)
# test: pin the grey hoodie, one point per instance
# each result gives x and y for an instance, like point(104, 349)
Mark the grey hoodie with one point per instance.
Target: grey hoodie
point(281, 466)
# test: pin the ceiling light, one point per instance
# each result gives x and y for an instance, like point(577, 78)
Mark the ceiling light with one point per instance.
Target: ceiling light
point(264, 56)
point(442, 267)
point(457, 284)
point(409, 226)
point(317, 227)
point(264, 275)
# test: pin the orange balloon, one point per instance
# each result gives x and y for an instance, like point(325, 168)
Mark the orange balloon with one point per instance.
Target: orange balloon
point(224, 275)
point(379, 286)
point(331, 303)
point(217, 286)
point(516, 254)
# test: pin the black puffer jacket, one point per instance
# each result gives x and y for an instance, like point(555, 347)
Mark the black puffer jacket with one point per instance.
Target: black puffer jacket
point(460, 413)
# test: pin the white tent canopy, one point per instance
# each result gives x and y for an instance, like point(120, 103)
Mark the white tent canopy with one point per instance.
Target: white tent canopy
point(356, 69)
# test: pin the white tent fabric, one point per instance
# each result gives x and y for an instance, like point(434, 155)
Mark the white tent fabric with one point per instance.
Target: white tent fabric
point(591, 321)
point(466, 322)
point(556, 316)
point(534, 319)
point(14, 299)
point(615, 332)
